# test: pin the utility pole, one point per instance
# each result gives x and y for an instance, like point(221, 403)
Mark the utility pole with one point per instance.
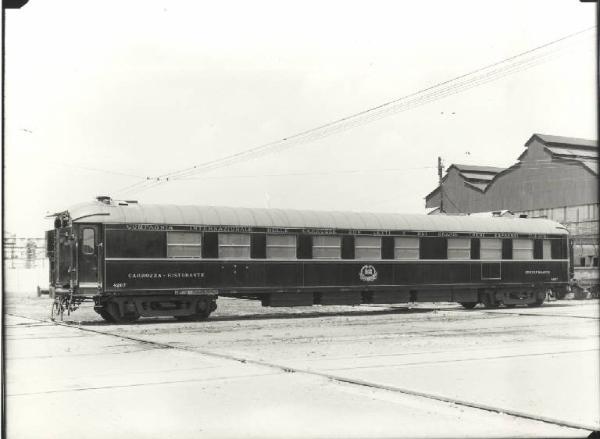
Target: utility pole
point(440, 172)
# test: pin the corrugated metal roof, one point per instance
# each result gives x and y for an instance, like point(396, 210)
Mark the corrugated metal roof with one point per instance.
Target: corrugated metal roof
point(476, 168)
point(546, 138)
point(573, 152)
point(97, 212)
point(477, 176)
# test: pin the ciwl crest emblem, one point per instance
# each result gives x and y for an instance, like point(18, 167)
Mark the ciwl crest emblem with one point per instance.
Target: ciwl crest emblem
point(368, 273)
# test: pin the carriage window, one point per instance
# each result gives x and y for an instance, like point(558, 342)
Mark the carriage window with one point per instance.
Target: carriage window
point(490, 248)
point(459, 248)
point(406, 247)
point(547, 249)
point(87, 242)
point(281, 246)
point(184, 245)
point(433, 248)
point(135, 244)
point(523, 249)
point(367, 247)
point(234, 246)
point(326, 247)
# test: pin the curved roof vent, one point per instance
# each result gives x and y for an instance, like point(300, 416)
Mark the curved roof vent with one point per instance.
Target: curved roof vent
point(104, 199)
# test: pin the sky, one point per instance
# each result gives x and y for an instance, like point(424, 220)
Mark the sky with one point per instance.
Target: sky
point(100, 95)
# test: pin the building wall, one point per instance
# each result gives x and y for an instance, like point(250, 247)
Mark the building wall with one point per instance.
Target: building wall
point(539, 182)
point(538, 186)
point(457, 195)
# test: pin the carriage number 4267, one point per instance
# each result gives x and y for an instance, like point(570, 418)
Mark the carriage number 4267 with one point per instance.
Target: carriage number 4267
point(119, 285)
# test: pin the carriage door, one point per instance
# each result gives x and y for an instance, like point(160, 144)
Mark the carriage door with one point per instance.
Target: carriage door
point(88, 256)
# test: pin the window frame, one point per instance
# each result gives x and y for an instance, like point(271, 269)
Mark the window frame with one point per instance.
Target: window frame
point(465, 249)
point(83, 241)
point(315, 247)
point(483, 249)
point(518, 249)
point(413, 248)
point(184, 244)
point(230, 246)
point(293, 247)
point(358, 247)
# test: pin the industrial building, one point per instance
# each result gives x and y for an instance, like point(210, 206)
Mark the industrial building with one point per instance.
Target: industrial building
point(555, 177)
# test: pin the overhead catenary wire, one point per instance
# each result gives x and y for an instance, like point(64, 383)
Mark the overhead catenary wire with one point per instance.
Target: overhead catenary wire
point(231, 159)
point(461, 83)
point(315, 173)
point(411, 99)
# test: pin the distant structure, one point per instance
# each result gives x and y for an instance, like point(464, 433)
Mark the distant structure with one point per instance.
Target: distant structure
point(555, 177)
point(30, 253)
point(20, 252)
point(462, 189)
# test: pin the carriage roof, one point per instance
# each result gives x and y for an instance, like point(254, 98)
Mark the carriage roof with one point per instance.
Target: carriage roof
point(134, 213)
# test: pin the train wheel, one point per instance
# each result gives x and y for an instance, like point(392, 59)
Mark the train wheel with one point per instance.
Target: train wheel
point(468, 305)
point(106, 316)
point(205, 308)
point(489, 301)
point(538, 302)
point(116, 316)
point(203, 311)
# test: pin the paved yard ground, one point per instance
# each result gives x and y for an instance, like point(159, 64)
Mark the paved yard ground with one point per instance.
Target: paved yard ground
point(250, 371)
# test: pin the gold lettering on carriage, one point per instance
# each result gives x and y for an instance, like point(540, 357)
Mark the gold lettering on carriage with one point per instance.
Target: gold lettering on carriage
point(367, 273)
point(172, 275)
point(149, 227)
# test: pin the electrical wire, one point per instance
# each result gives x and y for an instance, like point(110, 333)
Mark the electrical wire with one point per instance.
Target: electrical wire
point(105, 171)
point(305, 174)
point(345, 122)
point(514, 64)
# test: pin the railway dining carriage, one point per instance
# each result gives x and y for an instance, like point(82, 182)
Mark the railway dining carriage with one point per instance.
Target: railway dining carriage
point(137, 260)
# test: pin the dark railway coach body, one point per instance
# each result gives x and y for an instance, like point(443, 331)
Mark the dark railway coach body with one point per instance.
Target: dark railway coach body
point(137, 260)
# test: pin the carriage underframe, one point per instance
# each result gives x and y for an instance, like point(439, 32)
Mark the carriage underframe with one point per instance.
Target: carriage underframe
point(130, 306)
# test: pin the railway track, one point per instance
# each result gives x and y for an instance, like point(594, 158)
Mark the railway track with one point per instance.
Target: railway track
point(329, 376)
